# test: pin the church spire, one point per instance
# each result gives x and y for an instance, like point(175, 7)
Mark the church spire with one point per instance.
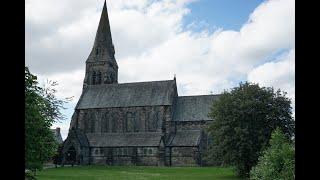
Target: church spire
point(101, 65)
point(103, 49)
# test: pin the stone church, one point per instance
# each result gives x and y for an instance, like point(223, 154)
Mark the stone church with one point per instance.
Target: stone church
point(138, 123)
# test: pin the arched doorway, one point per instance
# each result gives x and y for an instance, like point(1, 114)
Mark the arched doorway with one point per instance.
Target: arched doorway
point(71, 155)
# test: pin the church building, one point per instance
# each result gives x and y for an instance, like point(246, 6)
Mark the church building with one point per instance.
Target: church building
point(138, 123)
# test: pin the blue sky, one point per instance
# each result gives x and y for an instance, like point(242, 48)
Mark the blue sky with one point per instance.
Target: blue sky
point(215, 49)
point(226, 14)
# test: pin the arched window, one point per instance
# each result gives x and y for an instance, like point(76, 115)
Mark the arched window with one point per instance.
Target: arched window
point(86, 123)
point(97, 51)
point(94, 77)
point(154, 122)
point(112, 77)
point(105, 123)
point(92, 123)
point(114, 125)
point(130, 122)
point(99, 78)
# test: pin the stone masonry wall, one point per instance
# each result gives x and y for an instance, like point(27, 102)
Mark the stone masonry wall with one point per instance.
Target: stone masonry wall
point(145, 156)
point(184, 156)
point(128, 119)
point(191, 125)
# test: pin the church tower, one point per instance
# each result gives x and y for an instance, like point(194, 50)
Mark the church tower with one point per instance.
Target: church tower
point(101, 65)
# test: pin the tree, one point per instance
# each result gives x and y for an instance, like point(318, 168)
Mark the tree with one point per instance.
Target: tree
point(277, 161)
point(243, 120)
point(57, 158)
point(42, 109)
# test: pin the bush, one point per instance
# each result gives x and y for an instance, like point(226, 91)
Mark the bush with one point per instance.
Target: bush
point(29, 176)
point(277, 161)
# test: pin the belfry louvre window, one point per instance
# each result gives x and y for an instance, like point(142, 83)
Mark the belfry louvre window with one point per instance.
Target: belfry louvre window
point(99, 78)
point(94, 75)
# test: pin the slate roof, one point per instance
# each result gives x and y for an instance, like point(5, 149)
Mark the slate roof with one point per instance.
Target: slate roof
point(127, 94)
point(121, 139)
point(83, 140)
point(193, 108)
point(79, 135)
point(186, 138)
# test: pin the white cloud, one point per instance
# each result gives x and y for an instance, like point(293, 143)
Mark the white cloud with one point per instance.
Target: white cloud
point(151, 44)
point(65, 83)
point(64, 129)
point(279, 74)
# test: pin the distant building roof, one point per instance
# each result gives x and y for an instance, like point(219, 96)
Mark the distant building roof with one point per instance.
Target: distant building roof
point(193, 108)
point(127, 95)
point(122, 140)
point(57, 135)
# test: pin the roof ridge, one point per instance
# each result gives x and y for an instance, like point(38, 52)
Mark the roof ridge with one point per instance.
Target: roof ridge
point(141, 82)
point(187, 130)
point(146, 81)
point(200, 95)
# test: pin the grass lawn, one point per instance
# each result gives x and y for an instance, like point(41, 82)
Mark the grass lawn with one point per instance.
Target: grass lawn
point(136, 172)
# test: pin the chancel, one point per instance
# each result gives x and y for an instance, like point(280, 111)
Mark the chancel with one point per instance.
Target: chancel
point(138, 123)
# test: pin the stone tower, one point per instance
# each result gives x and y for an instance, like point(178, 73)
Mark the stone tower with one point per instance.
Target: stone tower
point(101, 65)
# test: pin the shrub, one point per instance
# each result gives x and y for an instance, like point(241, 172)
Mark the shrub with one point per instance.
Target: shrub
point(277, 161)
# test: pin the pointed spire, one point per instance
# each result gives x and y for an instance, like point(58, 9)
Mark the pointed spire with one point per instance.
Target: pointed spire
point(103, 36)
point(103, 49)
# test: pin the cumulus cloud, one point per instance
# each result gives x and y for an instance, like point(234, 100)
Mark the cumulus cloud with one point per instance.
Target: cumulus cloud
point(279, 74)
point(151, 44)
point(65, 82)
point(212, 62)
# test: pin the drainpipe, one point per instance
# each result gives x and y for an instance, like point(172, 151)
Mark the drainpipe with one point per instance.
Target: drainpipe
point(170, 156)
point(89, 155)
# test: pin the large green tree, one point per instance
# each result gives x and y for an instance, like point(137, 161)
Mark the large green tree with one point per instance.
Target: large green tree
point(243, 120)
point(42, 109)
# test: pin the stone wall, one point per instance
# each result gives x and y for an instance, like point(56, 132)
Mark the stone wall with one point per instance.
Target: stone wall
point(145, 156)
point(185, 156)
point(191, 125)
point(138, 119)
point(127, 119)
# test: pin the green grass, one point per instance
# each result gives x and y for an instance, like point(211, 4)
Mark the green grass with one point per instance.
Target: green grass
point(136, 172)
